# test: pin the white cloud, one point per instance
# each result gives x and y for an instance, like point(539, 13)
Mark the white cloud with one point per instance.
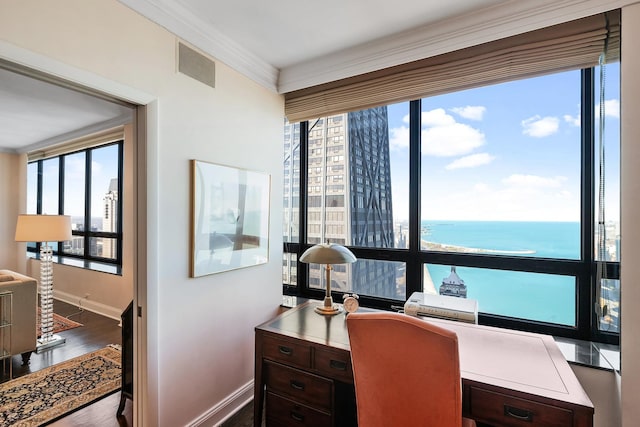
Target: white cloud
point(399, 137)
point(471, 112)
point(539, 127)
point(481, 187)
point(611, 109)
point(471, 161)
point(442, 136)
point(96, 167)
point(572, 120)
point(534, 181)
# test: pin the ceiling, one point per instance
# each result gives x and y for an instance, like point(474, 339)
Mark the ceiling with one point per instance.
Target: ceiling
point(285, 45)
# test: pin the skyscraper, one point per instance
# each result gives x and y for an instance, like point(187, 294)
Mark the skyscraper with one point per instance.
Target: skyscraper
point(349, 195)
point(110, 218)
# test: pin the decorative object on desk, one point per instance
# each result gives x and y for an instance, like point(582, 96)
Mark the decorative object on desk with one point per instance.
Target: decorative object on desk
point(60, 323)
point(229, 218)
point(328, 253)
point(350, 302)
point(38, 398)
point(45, 229)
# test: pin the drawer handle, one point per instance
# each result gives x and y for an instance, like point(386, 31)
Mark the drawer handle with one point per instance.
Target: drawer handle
point(519, 414)
point(285, 350)
point(296, 416)
point(338, 364)
point(295, 384)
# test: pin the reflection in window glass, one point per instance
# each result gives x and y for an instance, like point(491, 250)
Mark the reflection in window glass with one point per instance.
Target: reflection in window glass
point(289, 269)
point(384, 279)
point(531, 296)
point(610, 250)
point(291, 224)
point(104, 189)
point(504, 171)
point(609, 320)
point(50, 186)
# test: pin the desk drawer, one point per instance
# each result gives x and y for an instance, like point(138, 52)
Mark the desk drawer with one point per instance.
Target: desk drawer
point(284, 412)
point(334, 364)
point(508, 411)
point(300, 386)
point(288, 352)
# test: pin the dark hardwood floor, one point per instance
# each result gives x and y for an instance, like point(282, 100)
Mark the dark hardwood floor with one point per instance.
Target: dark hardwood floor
point(97, 332)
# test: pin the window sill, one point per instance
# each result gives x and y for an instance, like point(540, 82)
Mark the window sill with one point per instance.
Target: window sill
point(590, 354)
point(81, 263)
point(584, 353)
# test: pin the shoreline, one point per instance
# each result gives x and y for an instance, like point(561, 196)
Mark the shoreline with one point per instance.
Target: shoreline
point(426, 245)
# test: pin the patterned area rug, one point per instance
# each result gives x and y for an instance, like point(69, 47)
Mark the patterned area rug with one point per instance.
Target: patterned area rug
point(44, 396)
point(60, 323)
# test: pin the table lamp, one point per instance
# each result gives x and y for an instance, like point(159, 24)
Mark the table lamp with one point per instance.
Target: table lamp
point(328, 253)
point(44, 229)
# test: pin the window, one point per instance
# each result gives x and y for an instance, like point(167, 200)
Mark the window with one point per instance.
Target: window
point(86, 185)
point(492, 183)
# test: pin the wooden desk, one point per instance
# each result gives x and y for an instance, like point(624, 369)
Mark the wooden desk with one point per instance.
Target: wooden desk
point(509, 378)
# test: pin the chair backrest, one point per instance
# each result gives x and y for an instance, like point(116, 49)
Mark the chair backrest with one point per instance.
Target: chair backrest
point(406, 371)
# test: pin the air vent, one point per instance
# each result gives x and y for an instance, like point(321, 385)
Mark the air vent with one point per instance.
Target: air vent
point(196, 65)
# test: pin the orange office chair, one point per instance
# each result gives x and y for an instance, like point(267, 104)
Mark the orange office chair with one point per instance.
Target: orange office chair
point(406, 372)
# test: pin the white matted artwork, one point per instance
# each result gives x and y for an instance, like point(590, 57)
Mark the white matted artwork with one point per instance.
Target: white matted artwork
point(229, 218)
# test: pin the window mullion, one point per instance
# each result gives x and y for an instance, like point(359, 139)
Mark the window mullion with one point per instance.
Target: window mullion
point(119, 204)
point(303, 269)
point(414, 279)
point(585, 286)
point(87, 204)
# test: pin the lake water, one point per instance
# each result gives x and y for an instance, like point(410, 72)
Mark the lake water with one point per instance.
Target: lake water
point(543, 297)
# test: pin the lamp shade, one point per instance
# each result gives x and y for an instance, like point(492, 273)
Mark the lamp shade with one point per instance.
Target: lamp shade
point(328, 253)
point(43, 228)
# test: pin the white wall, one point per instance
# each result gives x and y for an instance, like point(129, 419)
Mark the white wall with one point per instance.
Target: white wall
point(630, 213)
point(201, 335)
point(603, 388)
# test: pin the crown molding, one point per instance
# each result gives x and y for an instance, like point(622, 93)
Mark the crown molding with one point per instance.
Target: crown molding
point(505, 19)
point(481, 26)
point(177, 19)
point(121, 120)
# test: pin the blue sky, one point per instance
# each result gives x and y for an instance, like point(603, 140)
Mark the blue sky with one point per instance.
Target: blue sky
point(504, 152)
point(104, 168)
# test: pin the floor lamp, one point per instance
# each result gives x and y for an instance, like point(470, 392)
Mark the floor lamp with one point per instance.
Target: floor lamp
point(44, 229)
point(328, 253)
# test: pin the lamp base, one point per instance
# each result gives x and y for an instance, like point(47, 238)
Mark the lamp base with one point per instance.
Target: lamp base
point(331, 310)
point(55, 341)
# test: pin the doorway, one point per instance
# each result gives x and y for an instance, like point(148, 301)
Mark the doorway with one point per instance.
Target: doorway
point(136, 213)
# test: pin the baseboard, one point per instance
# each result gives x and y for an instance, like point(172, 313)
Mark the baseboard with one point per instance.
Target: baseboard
point(89, 305)
point(224, 410)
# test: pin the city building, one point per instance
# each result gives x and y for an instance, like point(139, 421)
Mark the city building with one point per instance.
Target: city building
point(110, 218)
point(349, 200)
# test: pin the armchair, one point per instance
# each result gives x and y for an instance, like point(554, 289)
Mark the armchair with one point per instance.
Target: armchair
point(25, 306)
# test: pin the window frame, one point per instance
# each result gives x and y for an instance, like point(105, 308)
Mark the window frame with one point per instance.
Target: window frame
point(89, 261)
point(583, 269)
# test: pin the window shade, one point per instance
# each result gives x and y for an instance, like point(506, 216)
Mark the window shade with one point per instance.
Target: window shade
point(572, 45)
point(89, 141)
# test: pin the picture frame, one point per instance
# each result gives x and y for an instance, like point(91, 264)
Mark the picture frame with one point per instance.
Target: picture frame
point(229, 218)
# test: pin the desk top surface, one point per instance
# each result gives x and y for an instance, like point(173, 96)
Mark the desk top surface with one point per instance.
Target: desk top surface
point(522, 361)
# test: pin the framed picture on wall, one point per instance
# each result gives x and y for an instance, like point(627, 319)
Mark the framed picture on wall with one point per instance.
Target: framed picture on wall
point(229, 218)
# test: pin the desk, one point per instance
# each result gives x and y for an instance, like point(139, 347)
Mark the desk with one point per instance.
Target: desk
point(509, 378)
